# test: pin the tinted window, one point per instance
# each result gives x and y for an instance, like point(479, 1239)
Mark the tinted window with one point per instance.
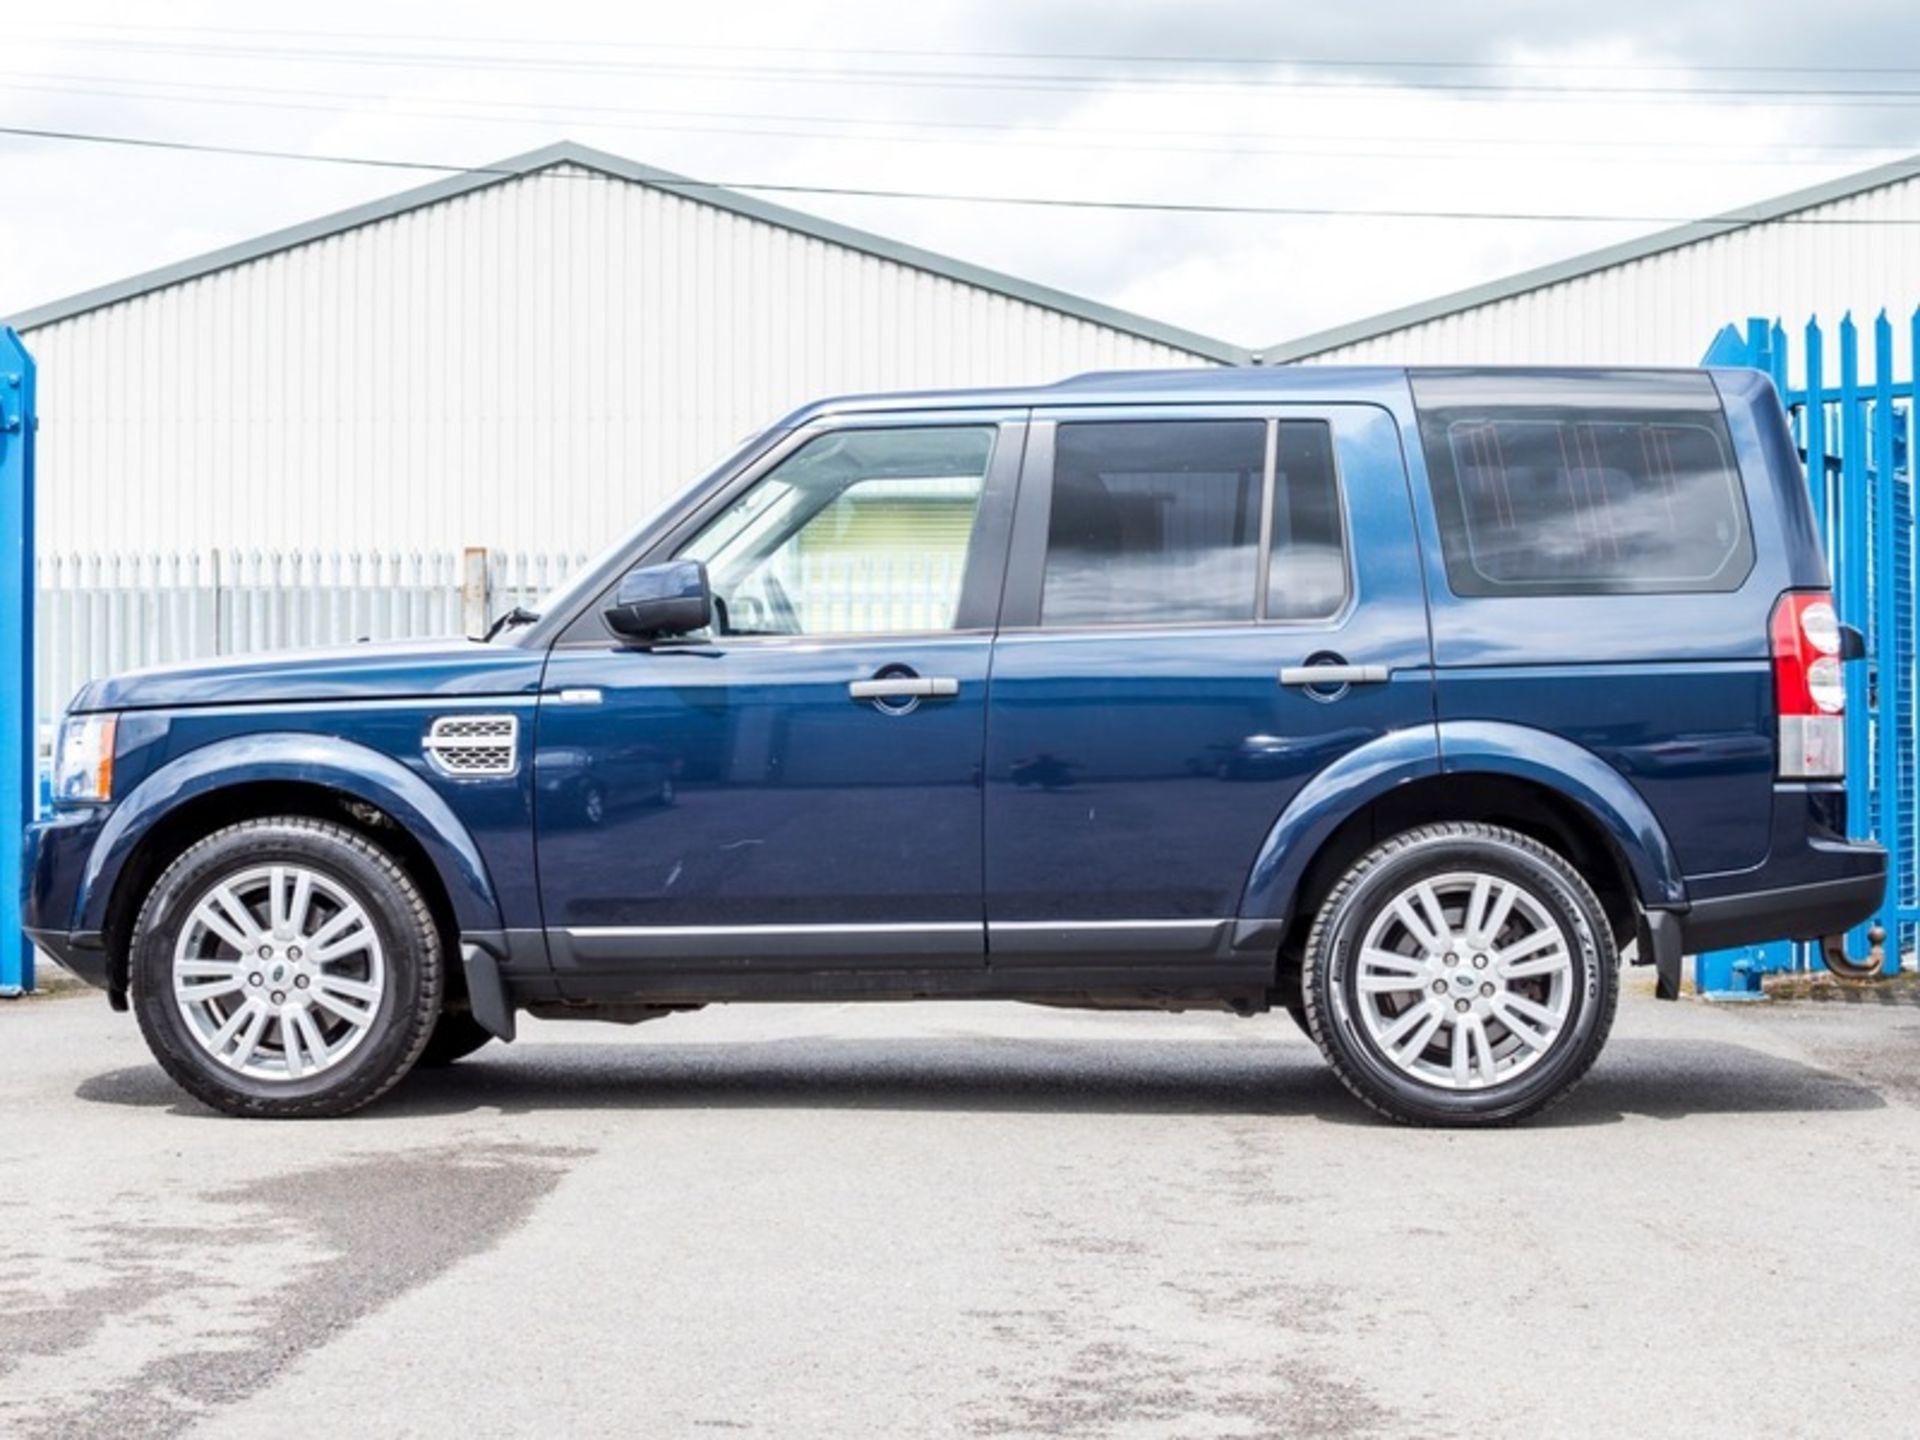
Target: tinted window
point(1583, 487)
point(1154, 522)
point(1307, 576)
point(858, 532)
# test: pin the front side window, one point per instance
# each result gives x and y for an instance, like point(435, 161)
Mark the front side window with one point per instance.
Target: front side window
point(859, 532)
point(1561, 487)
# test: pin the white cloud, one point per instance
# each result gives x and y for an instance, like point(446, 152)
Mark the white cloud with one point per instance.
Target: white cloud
point(76, 215)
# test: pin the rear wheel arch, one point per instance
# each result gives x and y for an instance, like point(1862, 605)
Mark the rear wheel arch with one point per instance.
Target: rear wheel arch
point(1524, 806)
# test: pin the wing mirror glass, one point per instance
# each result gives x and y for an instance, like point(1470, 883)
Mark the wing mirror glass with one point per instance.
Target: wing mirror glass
point(658, 602)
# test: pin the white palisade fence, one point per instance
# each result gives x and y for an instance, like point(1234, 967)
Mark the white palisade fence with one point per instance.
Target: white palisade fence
point(101, 614)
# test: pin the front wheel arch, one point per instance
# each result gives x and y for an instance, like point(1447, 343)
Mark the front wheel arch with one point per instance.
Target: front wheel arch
point(177, 831)
point(279, 1030)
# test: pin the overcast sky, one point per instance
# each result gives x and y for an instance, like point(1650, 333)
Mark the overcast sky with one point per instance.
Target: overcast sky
point(1170, 102)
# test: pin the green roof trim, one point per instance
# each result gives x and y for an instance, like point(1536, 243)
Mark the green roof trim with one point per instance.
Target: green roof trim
point(567, 152)
point(1607, 258)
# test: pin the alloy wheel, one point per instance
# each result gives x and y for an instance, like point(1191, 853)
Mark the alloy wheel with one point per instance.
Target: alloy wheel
point(1464, 981)
point(279, 972)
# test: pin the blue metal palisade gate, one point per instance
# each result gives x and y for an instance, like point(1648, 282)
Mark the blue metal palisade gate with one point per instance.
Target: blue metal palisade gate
point(18, 742)
point(1858, 435)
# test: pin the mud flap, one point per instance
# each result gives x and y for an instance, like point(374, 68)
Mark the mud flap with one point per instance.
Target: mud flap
point(1660, 944)
point(486, 993)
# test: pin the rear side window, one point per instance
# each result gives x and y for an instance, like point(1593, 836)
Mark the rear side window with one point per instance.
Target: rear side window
point(1561, 485)
point(1168, 521)
point(1154, 522)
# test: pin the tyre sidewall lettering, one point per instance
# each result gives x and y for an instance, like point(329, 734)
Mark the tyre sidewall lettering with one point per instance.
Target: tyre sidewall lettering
point(1389, 870)
point(403, 1016)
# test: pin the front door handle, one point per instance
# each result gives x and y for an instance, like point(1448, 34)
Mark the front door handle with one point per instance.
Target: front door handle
point(1326, 677)
point(905, 687)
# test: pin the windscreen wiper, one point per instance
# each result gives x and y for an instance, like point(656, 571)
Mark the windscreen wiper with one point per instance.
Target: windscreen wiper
point(517, 616)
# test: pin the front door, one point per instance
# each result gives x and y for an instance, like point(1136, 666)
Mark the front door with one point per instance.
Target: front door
point(799, 787)
point(1204, 609)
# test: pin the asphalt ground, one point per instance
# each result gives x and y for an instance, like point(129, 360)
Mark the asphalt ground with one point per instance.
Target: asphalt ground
point(968, 1220)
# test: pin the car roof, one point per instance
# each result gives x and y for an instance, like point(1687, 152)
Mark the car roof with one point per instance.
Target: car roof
point(1245, 384)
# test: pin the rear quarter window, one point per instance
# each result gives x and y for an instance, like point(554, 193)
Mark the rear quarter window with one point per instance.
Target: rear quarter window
point(1564, 485)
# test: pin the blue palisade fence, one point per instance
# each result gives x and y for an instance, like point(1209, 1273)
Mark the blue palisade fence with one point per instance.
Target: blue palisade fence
point(1858, 435)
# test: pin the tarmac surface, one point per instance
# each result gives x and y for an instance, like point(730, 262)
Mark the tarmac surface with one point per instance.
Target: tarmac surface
point(967, 1220)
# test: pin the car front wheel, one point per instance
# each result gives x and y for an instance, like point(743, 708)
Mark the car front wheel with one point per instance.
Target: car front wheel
point(1461, 974)
point(286, 967)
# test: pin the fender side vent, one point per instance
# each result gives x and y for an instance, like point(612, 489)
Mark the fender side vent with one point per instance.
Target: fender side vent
point(475, 747)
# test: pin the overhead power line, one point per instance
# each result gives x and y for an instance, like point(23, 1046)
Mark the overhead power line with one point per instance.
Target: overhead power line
point(1241, 61)
point(1173, 207)
point(444, 57)
point(1361, 146)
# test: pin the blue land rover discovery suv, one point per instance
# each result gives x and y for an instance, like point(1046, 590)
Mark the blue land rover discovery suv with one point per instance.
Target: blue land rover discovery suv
point(1403, 700)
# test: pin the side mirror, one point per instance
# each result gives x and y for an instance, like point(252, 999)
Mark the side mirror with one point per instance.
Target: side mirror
point(657, 602)
point(1853, 644)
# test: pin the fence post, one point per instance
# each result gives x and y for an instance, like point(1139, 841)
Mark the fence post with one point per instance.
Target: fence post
point(19, 737)
point(1885, 598)
point(475, 603)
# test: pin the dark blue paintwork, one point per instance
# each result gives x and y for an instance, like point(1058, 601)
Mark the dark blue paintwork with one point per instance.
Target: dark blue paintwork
point(1082, 777)
point(1173, 749)
point(423, 670)
point(350, 720)
point(790, 802)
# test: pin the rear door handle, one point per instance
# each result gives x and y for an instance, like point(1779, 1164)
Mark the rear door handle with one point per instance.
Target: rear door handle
point(905, 687)
point(1326, 677)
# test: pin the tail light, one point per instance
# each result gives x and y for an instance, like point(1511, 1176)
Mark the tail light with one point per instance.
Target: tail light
point(1809, 687)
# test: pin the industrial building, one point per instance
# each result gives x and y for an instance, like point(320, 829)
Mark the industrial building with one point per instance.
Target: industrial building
point(1851, 244)
point(533, 355)
point(308, 436)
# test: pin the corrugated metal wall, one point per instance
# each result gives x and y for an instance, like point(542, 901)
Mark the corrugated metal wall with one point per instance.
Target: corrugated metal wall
point(1663, 310)
point(536, 365)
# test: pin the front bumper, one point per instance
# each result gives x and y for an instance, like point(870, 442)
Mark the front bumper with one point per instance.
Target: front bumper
point(55, 860)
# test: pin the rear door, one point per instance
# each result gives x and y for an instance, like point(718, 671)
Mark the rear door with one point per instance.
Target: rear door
point(1204, 608)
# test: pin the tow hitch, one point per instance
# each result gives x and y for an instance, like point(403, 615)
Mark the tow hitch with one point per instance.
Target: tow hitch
point(1833, 950)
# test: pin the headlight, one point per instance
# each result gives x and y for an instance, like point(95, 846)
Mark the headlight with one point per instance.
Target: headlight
point(83, 773)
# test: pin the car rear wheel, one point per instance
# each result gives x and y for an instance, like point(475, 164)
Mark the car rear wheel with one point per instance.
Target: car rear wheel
point(286, 967)
point(1461, 974)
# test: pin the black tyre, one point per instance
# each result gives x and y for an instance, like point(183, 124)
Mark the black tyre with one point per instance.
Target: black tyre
point(1292, 998)
point(1461, 974)
point(286, 967)
point(455, 1037)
